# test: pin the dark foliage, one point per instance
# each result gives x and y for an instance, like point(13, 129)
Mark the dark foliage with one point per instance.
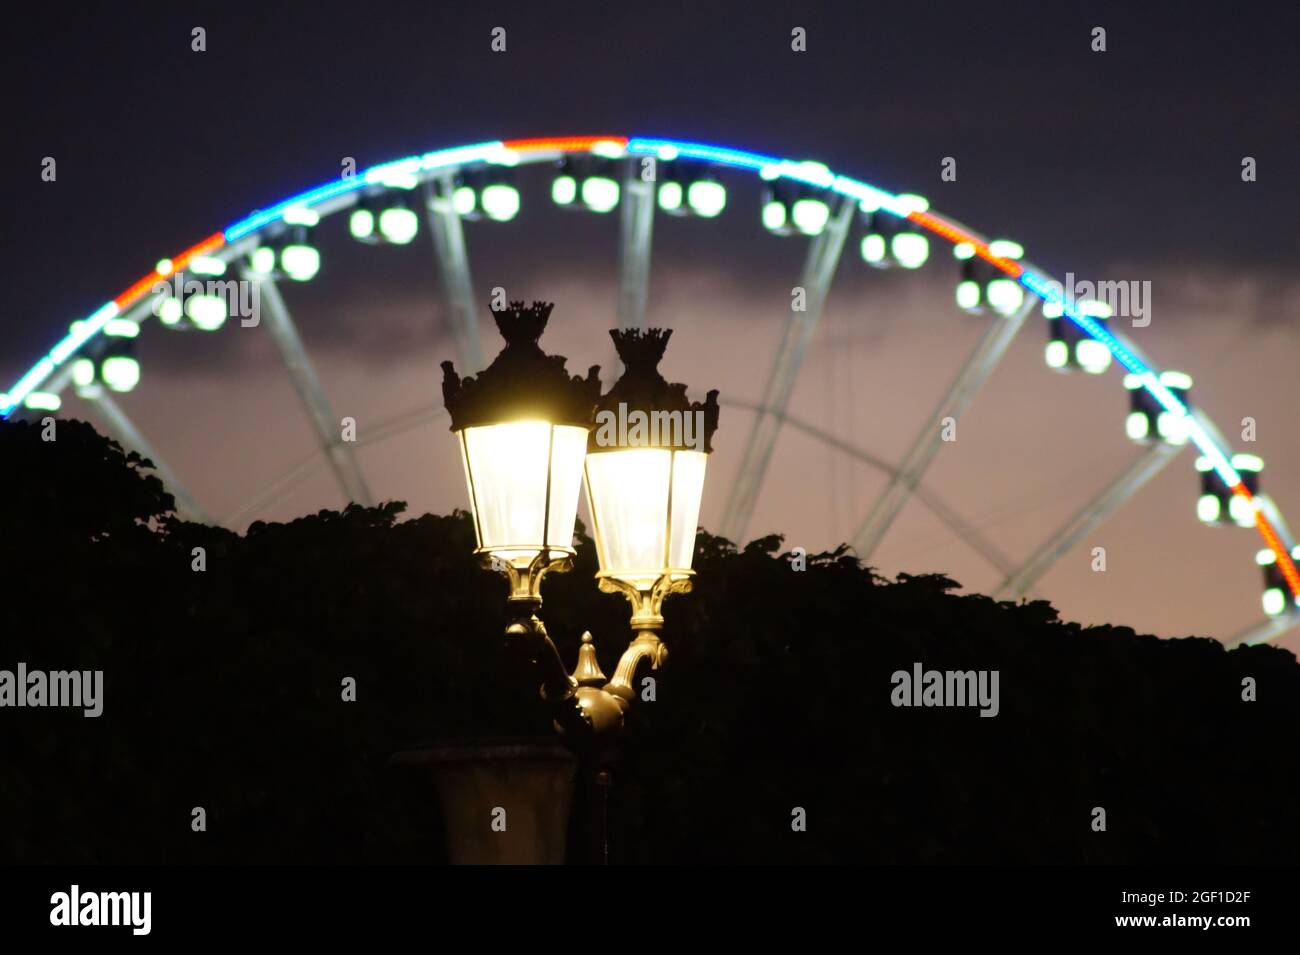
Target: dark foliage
point(222, 689)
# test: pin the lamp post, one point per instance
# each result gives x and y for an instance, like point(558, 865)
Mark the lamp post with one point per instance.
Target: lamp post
point(526, 429)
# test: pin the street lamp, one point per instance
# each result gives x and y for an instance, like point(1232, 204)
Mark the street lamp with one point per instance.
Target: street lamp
point(524, 427)
point(645, 477)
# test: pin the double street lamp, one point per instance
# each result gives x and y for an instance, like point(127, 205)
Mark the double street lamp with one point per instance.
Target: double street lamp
point(528, 434)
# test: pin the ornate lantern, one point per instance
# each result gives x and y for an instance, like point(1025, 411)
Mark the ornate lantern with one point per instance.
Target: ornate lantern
point(646, 461)
point(522, 426)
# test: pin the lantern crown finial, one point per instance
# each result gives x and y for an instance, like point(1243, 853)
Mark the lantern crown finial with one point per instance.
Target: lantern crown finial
point(642, 389)
point(522, 325)
point(523, 382)
point(641, 350)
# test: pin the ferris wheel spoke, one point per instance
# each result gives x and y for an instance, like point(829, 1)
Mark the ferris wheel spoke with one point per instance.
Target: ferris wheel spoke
point(964, 388)
point(280, 488)
point(305, 381)
point(935, 504)
point(818, 273)
point(1265, 631)
point(636, 228)
point(1150, 462)
point(126, 433)
point(453, 264)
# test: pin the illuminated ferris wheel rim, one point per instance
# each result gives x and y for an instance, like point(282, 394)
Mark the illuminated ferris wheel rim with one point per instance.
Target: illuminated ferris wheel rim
point(53, 369)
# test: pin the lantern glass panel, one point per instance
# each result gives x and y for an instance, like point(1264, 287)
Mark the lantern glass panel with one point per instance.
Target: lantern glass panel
point(642, 531)
point(509, 467)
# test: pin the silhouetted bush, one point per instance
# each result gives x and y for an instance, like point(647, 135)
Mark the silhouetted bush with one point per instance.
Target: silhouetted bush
point(222, 690)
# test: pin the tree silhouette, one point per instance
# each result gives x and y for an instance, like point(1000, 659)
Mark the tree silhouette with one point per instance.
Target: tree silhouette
point(223, 690)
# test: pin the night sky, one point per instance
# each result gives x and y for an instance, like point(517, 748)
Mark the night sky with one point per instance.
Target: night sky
point(1116, 165)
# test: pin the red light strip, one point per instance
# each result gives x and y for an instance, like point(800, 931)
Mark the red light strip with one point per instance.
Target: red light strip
point(132, 294)
point(561, 143)
point(210, 244)
point(1274, 542)
point(958, 236)
point(137, 290)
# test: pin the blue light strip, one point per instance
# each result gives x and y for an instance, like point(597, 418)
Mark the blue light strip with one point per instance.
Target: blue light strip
point(375, 175)
point(320, 193)
point(35, 377)
point(83, 333)
point(870, 197)
point(715, 154)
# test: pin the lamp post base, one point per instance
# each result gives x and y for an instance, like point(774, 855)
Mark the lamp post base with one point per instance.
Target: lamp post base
point(503, 803)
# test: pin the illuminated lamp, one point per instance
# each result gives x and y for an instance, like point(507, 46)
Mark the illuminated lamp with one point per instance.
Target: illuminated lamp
point(1277, 595)
point(84, 378)
point(1148, 420)
point(646, 461)
point(398, 222)
point(203, 297)
point(791, 207)
point(384, 218)
point(486, 192)
point(982, 285)
point(522, 426)
point(600, 193)
point(42, 401)
point(499, 201)
point(1240, 509)
point(120, 372)
point(169, 310)
point(1218, 504)
point(776, 217)
point(689, 188)
point(564, 189)
point(810, 214)
point(707, 197)
point(671, 198)
point(262, 260)
point(117, 368)
point(299, 258)
point(587, 182)
point(1057, 355)
point(1070, 347)
point(891, 240)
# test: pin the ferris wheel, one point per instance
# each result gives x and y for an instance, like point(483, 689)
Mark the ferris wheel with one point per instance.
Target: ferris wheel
point(198, 290)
